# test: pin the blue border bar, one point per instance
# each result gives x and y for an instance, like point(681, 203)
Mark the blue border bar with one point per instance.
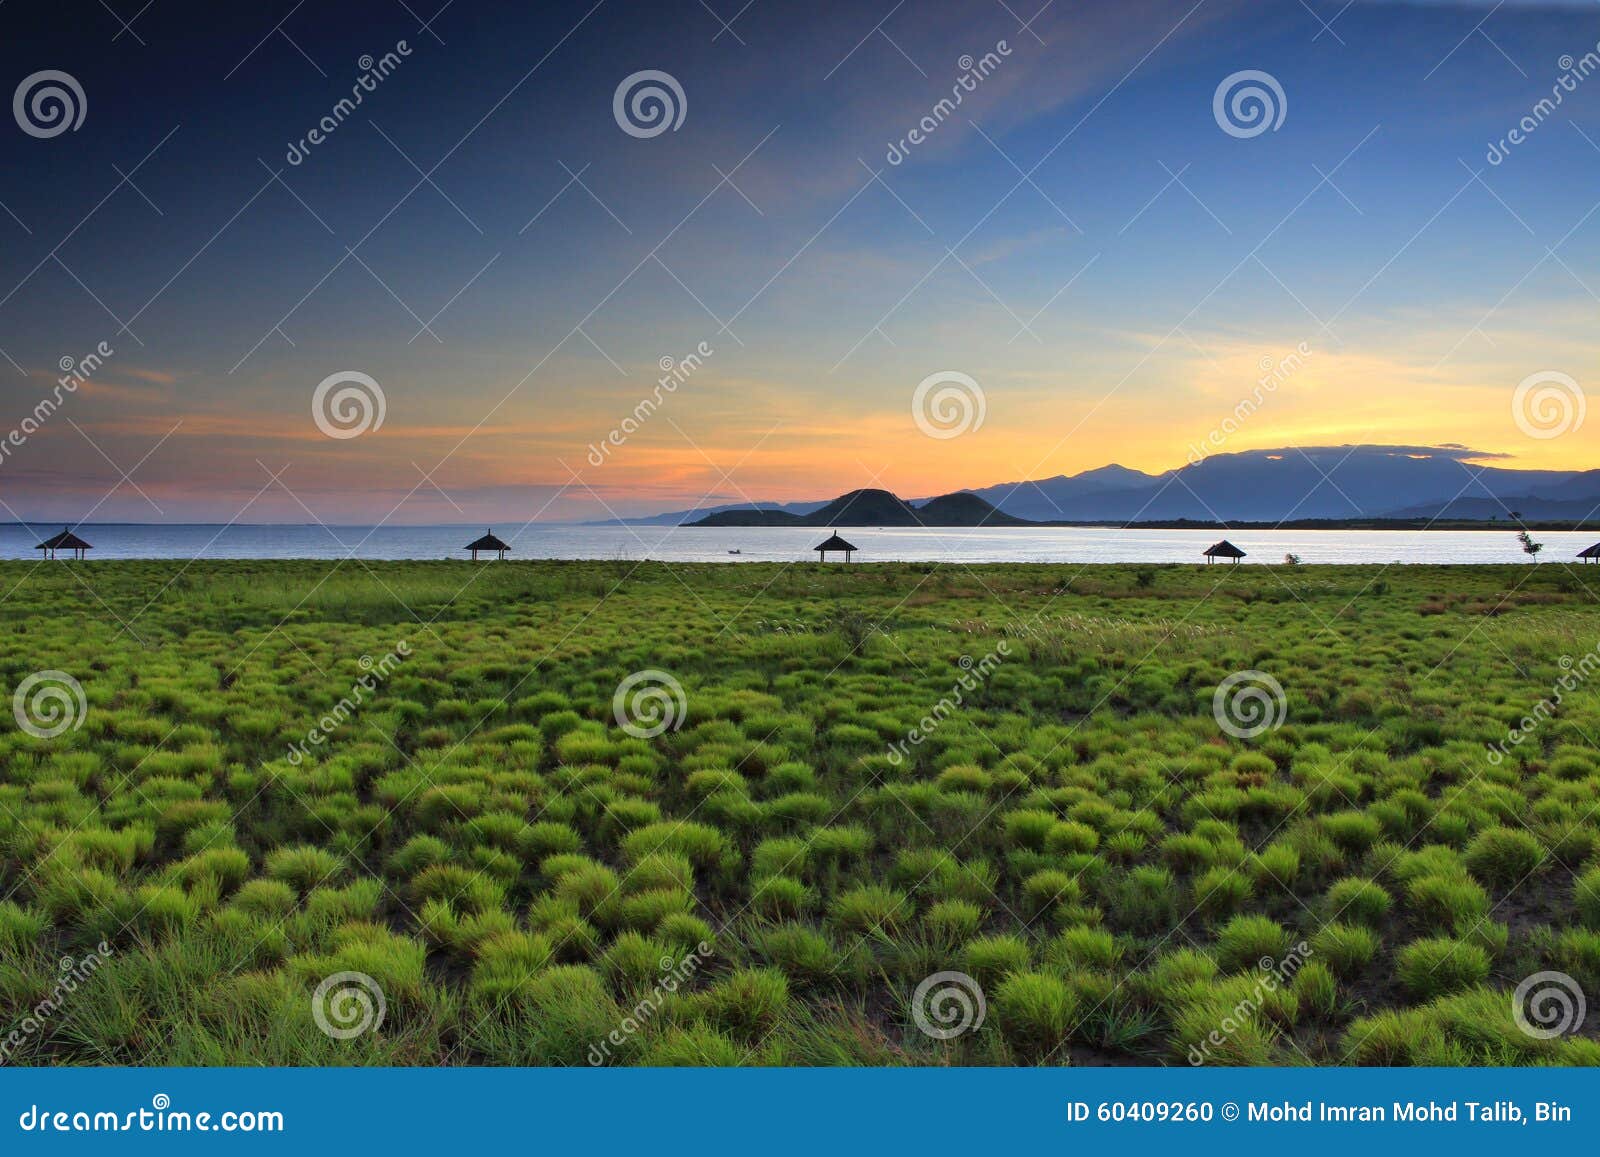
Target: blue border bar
point(804, 1112)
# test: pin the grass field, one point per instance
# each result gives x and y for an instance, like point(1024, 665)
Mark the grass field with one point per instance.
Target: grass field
point(287, 801)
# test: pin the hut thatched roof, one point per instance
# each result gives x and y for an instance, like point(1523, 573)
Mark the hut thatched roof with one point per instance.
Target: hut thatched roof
point(1590, 551)
point(1224, 549)
point(66, 540)
point(834, 542)
point(487, 542)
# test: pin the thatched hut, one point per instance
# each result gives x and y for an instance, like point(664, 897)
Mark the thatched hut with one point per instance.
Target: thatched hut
point(1590, 553)
point(487, 543)
point(66, 540)
point(1223, 549)
point(834, 542)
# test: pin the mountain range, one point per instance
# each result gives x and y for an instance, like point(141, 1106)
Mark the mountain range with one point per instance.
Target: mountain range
point(1288, 484)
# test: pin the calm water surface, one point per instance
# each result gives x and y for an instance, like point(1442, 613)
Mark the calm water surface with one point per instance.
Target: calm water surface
point(788, 544)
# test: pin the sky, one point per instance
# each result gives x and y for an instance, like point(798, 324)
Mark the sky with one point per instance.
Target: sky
point(1088, 260)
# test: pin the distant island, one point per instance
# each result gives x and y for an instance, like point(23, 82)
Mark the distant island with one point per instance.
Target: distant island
point(874, 508)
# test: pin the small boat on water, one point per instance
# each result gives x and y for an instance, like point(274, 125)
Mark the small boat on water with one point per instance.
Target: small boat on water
point(736, 552)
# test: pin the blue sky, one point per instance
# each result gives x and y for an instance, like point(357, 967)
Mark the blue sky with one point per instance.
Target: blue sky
point(1081, 239)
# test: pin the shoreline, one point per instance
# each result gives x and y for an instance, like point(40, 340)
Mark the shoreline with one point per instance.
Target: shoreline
point(1546, 526)
point(910, 564)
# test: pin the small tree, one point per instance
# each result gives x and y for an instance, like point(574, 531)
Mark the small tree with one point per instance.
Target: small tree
point(1529, 547)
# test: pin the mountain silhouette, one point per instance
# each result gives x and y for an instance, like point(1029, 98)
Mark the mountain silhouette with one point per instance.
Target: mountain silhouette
point(1351, 482)
point(873, 508)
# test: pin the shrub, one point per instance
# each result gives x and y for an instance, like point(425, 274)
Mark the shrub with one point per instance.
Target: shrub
point(645, 910)
point(748, 1003)
point(1221, 892)
point(869, 909)
point(1080, 948)
point(1360, 900)
point(1034, 1011)
point(1503, 857)
point(659, 870)
point(779, 857)
point(506, 962)
point(802, 953)
point(1448, 903)
point(1346, 948)
point(1144, 901)
point(1067, 836)
point(1430, 968)
point(953, 921)
point(1586, 895)
point(692, 1047)
point(779, 897)
point(1315, 986)
point(303, 867)
point(1245, 941)
point(699, 843)
point(989, 958)
point(1028, 829)
point(1042, 891)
